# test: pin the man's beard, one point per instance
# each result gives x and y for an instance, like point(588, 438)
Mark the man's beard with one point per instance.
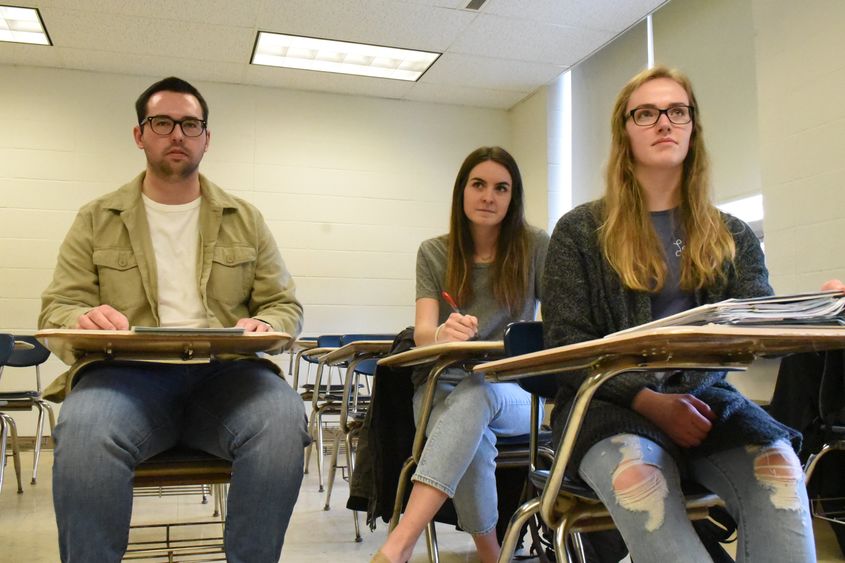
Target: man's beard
point(177, 171)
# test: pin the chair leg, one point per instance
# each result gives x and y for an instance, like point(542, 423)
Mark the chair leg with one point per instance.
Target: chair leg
point(522, 515)
point(332, 471)
point(404, 477)
point(350, 460)
point(319, 450)
point(9, 428)
point(431, 543)
point(220, 491)
point(309, 447)
point(39, 437)
point(3, 437)
point(578, 544)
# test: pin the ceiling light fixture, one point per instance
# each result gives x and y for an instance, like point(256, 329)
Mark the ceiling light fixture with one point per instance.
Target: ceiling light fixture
point(308, 53)
point(22, 25)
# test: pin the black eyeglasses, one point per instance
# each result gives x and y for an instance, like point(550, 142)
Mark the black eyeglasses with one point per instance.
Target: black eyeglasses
point(164, 125)
point(646, 116)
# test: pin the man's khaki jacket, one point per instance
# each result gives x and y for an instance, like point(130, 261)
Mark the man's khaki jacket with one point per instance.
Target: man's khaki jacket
point(107, 257)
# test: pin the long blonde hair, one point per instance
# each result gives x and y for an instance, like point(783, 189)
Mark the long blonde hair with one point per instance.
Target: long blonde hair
point(513, 258)
point(628, 239)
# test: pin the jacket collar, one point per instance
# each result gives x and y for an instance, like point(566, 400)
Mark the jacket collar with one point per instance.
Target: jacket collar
point(129, 195)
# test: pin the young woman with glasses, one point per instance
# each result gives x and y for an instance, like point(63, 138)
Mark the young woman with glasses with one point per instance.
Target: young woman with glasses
point(655, 245)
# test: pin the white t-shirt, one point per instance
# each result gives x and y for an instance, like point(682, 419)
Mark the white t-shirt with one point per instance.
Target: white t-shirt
point(174, 230)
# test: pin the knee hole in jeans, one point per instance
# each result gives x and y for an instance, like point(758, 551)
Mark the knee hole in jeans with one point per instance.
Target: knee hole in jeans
point(776, 468)
point(640, 486)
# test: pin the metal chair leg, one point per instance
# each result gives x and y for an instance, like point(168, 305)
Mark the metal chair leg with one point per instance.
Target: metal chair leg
point(332, 471)
point(9, 428)
point(39, 436)
point(431, 543)
point(522, 515)
point(319, 450)
point(309, 447)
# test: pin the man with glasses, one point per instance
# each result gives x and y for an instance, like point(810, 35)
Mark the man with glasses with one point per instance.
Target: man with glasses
point(171, 249)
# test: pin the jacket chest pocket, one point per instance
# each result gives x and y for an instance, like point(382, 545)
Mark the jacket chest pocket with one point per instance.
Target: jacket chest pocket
point(232, 273)
point(119, 278)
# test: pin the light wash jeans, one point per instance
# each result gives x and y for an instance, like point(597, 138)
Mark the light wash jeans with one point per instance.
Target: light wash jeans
point(459, 457)
point(768, 501)
point(121, 413)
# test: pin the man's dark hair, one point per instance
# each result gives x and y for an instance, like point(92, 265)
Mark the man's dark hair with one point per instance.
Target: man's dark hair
point(169, 84)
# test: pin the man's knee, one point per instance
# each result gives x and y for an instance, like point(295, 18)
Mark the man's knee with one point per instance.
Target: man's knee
point(776, 467)
point(639, 486)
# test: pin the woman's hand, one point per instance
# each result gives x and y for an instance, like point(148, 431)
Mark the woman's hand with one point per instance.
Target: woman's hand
point(684, 418)
point(833, 284)
point(457, 328)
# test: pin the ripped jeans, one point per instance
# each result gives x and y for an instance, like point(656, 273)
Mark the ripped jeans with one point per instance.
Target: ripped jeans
point(763, 489)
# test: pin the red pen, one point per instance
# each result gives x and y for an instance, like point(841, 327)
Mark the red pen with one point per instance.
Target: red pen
point(451, 302)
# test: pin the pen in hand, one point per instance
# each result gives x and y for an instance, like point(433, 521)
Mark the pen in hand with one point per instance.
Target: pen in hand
point(455, 309)
point(451, 302)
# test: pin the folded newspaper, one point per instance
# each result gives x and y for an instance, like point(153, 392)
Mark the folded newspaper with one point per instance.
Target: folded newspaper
point(826, 308)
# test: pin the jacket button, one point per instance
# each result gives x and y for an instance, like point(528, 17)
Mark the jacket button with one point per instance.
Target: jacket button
point(229, 258)
point(122, 260)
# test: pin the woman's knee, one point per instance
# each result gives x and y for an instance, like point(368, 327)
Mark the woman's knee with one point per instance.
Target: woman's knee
point(638, 482)
point(776, 468)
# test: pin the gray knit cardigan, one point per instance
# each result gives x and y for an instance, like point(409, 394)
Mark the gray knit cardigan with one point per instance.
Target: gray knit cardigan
point(584, 299)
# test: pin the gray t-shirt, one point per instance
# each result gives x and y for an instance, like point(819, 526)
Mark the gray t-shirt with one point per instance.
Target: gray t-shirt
point(492, 317)
point(671, 298)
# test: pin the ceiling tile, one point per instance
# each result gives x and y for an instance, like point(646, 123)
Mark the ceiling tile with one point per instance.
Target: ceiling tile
point(381, 22)
point(505, 38)
point(495, 74)
point(607, 15)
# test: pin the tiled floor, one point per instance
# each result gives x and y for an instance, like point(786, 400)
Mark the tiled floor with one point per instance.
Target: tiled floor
point(28, 530)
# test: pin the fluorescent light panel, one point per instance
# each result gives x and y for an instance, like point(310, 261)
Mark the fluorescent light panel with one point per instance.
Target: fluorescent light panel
point(22, 25)
point(308, 53)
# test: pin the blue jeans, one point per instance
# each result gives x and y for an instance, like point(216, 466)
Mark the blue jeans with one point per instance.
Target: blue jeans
point(121, 413)
point(763, 489)
point(459, 457)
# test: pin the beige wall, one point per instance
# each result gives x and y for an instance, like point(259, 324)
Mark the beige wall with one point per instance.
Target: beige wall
point(712, 42)
point(349, 185)
point(529, 146)
point(595, 85)
point(800, 88)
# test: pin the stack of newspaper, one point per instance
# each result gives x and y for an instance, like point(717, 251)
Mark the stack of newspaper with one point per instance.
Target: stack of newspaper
point(825, 308)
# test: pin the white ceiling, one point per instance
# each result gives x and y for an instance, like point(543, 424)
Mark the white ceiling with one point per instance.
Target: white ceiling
point(493, 57)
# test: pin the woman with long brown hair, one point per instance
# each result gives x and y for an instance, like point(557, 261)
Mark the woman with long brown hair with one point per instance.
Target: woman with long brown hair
point(489, 265)
point(655, 245)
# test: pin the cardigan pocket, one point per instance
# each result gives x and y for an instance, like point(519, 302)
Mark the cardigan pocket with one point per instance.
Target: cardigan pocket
point(119, 278)
point(232, 274)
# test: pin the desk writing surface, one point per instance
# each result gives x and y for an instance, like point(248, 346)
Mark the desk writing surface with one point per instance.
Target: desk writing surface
point(431, 352)
point(724, 341)
point(116, 342)
point(349, 351)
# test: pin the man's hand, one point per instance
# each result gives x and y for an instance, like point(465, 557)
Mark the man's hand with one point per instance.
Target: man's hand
point(253, 325)
point(684, 418)
point(103, 317)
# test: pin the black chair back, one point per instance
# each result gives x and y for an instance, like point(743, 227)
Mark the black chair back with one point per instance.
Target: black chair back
point(27, 358)
point(524, 337)
point(7, 346)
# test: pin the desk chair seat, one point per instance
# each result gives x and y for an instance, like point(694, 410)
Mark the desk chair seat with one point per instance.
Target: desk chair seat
point(30, 399)
point(180, 470)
